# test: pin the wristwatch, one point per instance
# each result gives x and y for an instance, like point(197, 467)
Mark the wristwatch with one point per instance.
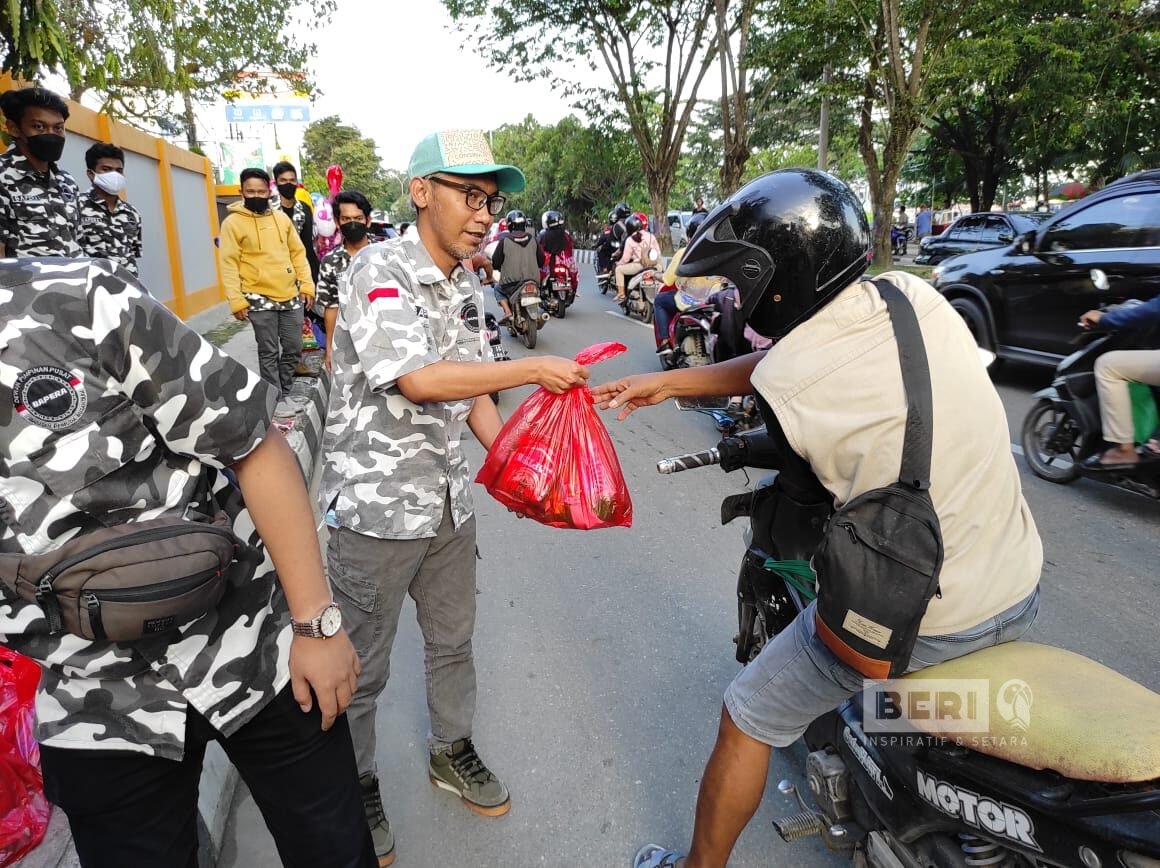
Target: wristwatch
point(324, 625)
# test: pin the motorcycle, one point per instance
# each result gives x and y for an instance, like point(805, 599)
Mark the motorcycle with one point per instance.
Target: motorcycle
point(639, 294)
point(930, 799)
point(693, 332)
point(499, 352)
point(557, 294)
point(899, 238)
point(1063, 428)
point(527, 314)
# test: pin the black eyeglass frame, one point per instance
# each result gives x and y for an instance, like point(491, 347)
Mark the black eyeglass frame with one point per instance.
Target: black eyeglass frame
point(494, 201)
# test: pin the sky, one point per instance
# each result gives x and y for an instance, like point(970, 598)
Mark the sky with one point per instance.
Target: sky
point(396, 70)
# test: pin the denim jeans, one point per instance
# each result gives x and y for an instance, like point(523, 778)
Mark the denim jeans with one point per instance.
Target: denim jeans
point(664, 309)
point(796, 678)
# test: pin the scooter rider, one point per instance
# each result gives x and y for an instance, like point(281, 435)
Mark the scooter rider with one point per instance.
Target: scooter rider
point(1113, 372)
point(640, 251)
point(796, 244)
point(607, 246)
point(556, 242)
point(665, 304)
point(518, 258)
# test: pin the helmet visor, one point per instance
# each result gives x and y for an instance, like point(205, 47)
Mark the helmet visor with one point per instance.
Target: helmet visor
point(718, 252)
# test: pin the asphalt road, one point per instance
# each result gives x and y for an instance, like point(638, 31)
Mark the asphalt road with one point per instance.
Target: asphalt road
point(602, 656)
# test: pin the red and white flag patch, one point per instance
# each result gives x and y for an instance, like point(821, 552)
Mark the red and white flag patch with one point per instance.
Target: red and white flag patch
point(387, 296)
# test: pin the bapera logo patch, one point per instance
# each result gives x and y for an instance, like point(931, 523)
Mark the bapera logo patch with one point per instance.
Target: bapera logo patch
point(50, 397)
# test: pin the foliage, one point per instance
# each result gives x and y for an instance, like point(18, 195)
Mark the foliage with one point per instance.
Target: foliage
point(655, 53)
point(327, 142)
point(136, 55)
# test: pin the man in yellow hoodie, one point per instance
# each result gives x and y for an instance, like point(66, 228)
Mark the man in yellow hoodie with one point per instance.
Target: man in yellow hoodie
point(267, 277)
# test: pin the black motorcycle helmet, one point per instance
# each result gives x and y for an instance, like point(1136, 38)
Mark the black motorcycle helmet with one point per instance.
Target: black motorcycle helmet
point(517, 221)
point(789, 241)
point(611, 217)
point(633, 225)
point(621, 210)
point(552, 219)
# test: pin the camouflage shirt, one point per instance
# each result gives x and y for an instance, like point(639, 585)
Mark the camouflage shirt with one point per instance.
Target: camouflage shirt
point(334, 265)
point(388, 463)
point(106, 234)
point(264, 302)
point(39, 212)
point(112, 410)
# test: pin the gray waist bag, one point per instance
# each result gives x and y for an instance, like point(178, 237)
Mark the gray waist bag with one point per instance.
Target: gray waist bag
point(130, 581)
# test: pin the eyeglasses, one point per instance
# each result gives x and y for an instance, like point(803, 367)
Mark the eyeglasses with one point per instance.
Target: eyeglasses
point(475, 198)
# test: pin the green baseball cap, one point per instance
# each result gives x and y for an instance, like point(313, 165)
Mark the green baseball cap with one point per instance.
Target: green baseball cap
point(462, 152)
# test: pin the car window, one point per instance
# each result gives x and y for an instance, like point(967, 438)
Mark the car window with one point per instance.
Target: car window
point(1126, 221)
point(989, 231)
point(967, 229)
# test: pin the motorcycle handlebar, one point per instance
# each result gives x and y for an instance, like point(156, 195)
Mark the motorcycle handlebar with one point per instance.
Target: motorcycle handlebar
point(689, 461)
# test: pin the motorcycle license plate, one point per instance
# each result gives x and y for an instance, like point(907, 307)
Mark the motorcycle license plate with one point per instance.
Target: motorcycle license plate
point(529, 300)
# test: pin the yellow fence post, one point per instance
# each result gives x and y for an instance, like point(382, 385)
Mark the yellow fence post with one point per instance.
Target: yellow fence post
point(176, 272)
point(214, 225)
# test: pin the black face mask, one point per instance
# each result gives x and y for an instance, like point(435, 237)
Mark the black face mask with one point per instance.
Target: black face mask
point(353, 233)
point(257, 204)
point(287, 190)
point(47, 146)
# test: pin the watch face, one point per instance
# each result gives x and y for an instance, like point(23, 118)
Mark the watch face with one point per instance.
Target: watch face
point(331, 620)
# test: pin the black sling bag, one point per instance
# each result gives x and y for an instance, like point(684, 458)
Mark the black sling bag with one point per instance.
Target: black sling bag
point(879, 560)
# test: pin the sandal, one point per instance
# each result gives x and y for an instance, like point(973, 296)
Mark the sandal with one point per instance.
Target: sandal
point(1150, 450)
point(1096, 462)
point(654, 856)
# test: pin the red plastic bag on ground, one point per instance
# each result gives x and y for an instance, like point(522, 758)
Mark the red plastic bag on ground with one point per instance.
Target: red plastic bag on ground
point(554, 461)
point(24, 810)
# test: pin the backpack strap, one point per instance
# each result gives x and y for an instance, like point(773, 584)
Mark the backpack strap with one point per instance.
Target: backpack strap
point(916, 445)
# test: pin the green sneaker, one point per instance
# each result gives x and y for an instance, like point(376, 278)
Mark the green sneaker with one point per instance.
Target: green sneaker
point(459, 770)
point(381, 834)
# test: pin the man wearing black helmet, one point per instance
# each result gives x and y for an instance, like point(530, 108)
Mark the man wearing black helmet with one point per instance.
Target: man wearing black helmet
point(518, 259)
point(796, 244)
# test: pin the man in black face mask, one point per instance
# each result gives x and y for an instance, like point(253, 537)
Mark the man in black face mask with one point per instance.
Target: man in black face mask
point(300, 214)
point(352, 210)
point(39, 201)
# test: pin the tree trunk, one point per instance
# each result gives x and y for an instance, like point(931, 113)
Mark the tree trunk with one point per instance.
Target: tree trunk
point(190, 120)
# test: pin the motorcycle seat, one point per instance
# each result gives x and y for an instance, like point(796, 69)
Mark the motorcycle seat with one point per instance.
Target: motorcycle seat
point(1054, 709)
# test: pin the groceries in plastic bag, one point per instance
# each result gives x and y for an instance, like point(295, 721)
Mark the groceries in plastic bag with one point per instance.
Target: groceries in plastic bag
point(24, 811)
point(554, 461)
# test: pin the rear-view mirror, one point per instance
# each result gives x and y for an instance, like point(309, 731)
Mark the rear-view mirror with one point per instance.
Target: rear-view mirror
point(1006, 237)
point(703, 402)
point(1099, 279)
point(1026, 241)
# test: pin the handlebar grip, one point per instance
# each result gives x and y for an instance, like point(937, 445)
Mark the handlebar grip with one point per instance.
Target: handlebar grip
point(689, 461)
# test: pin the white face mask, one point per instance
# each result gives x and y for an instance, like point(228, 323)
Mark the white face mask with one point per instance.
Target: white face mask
point(111, 182)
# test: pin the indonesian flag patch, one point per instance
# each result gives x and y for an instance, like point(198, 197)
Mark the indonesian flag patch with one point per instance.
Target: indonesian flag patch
point(386, 296)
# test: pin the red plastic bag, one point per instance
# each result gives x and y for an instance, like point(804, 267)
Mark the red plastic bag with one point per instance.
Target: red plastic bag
point(24, 810)
point(554, 461)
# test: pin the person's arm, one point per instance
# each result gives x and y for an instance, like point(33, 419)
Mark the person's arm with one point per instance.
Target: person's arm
point(307, 239)
point(329, 318)
point(1145, 314)
point(644, 390)
point(229, 255)
point(497, 256)
point(484, 421)
point(456, 381)
point(135, 247)
point(670, 278)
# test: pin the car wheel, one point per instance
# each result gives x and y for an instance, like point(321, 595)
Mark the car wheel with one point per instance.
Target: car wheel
point(976, 321)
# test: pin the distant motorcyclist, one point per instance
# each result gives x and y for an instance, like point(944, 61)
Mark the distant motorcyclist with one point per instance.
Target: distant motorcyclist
point(607, 246)
point(1114, 370)
point(641, 250)
point(518, 259)
point(557, 244)
point(665, 304)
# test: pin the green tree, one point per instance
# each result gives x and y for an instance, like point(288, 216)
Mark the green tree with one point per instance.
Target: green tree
point(328, 142)
point(33, 41)
point(655, 52)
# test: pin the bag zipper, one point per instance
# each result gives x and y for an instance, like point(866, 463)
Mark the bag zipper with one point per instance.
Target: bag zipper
point(45, 590)
point(849, 526)
point(174, 587)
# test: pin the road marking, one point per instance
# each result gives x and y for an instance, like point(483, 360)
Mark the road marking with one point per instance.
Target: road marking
point(628, 319)
point(1016, 448)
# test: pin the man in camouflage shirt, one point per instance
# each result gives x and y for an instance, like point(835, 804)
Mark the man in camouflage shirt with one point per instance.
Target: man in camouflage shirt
point(352, 210)
point(410, 358)
point(110, 226)
point(39, 201)
point(113, 411)
point(301, 215)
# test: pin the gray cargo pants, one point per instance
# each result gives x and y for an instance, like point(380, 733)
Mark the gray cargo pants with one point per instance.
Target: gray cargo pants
point(274, 331)
point(370, 577)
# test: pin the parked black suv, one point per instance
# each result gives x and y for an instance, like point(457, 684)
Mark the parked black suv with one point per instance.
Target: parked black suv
point(976, 232)
point(1023, 301)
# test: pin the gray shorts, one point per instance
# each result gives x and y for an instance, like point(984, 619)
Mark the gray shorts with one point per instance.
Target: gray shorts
point(796, 679)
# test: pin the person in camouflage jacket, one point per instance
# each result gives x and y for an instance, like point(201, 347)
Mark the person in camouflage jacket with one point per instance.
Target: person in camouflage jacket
point(410, 360)
point(110, 226)
point(113, 411)
point(39, 201)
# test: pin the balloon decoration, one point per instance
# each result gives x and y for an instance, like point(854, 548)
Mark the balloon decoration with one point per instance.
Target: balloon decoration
point(326, 236)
